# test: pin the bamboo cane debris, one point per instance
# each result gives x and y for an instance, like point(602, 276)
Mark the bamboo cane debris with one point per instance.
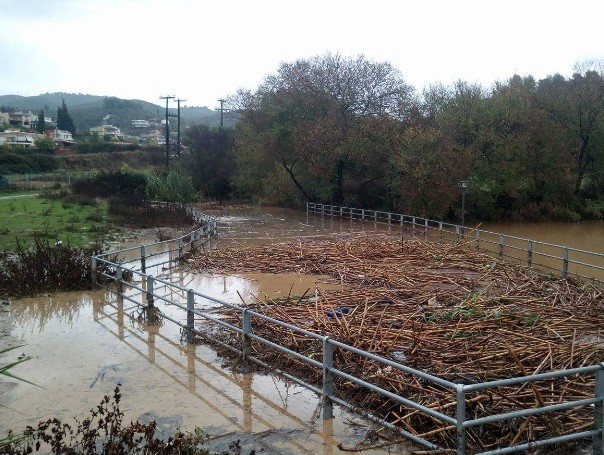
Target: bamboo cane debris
point(443, 309)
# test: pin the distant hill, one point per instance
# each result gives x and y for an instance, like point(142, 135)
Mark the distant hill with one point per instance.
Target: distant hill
point(90, 110)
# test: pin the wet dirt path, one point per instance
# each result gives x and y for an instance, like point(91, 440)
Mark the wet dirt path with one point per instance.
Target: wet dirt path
point(83, 344)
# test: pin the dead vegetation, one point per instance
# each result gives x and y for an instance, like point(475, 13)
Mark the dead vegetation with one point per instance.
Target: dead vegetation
point(442, 309)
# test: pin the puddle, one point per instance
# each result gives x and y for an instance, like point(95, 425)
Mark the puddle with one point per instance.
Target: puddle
point(84, 344)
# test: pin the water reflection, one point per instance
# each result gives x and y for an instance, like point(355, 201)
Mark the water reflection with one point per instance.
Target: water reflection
point(37, 312)
point(83, 348)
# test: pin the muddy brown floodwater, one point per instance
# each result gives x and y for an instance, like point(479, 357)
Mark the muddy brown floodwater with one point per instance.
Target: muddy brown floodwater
point(84, 344)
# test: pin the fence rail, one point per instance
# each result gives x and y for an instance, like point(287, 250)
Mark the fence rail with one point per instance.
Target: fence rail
point(170, 301)
point(555, 258)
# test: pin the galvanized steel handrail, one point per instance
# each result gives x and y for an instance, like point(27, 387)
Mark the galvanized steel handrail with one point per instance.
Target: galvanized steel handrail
point(595, 264)
point(460, 420)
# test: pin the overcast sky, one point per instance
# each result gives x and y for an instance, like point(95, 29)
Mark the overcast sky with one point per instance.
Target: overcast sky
point(203, 50)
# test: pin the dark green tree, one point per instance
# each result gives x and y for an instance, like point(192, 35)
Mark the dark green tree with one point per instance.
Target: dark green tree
point(210, 160)
point(576, 107)
point(64, 119)
point(41, 125)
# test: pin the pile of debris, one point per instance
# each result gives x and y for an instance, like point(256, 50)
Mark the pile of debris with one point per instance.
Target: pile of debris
point(440, 308)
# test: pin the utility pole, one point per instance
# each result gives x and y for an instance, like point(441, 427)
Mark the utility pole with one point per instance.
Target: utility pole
point(178, 136)
point(222, 111)
point(167, 98)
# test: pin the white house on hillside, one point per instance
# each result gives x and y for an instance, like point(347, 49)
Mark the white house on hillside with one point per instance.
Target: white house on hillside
point(18, 138)
point(106, 130)
point(61, 134)
point(140, 123)
point(25, 119)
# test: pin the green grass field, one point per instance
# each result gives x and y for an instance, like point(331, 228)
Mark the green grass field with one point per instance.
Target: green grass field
point(24, 217)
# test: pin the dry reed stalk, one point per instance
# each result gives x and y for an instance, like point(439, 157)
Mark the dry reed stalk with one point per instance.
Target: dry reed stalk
point(442, 309)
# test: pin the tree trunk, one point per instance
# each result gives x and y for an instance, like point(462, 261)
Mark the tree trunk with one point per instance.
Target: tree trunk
point(290, 171)
point(338, 197)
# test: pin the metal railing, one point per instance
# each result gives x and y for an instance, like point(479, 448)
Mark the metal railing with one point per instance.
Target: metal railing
point(138, 259)
point(175, 303)
point(556, 258)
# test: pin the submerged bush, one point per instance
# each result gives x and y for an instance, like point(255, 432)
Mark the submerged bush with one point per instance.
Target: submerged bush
point(133, 212)
point(45, 268)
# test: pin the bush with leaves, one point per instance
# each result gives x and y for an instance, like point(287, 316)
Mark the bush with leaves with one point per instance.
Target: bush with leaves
point(107, 183)
point(174, 186)
point(45, 268)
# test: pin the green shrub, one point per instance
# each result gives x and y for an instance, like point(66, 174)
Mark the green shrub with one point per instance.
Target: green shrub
point(107, 183)
point(175, 186)
point(46, 267)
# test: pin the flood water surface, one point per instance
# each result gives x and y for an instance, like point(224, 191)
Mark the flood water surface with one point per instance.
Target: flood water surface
point(83, 344)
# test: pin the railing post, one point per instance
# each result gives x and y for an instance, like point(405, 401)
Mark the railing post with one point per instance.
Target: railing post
point(327, 379)
point(389, 218)
point(529, 252)
point(246, 327)
point(93, 271)
point(363, 214)
point(413, 226)
point(565, 262)
point(460, 417)
point(477, 240)
point(341, 212)
point(190, 315)
point(179, 248)
point(143, 259)
point(193, 240)
point(457, 233)
point(426, 229)
point(598, 439)
point(500, 246)
point(118, 279)
point(402, 220)
point(150, 291)
point(440, 232)
point(375, 216)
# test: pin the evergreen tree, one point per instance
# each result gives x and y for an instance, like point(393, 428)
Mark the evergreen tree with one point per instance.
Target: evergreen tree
point(64, 120)
point(41, 125)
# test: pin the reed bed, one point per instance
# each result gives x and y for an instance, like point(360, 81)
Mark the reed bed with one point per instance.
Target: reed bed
point(440, 308)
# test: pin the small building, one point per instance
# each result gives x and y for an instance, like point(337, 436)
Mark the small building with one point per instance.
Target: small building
point(60, 134)
point(4, 118)
point(140, 123)
point(106, 130)
point(13, 138)
point(63, 139)
point(24, 119)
